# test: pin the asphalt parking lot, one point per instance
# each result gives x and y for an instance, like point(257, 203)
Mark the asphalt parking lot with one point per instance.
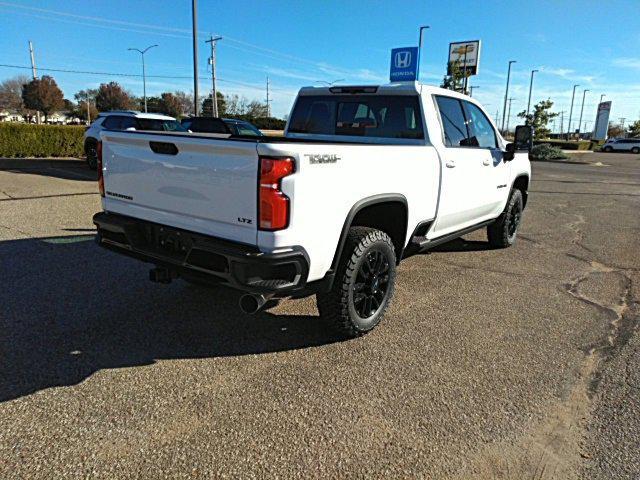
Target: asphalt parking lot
point(518, 363)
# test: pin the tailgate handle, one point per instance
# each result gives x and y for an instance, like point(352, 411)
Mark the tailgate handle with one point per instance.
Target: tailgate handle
point(164, 148)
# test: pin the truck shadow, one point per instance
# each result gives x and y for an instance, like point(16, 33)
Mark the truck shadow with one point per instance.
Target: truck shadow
point(69, 309)
point(462, 245)
point(66, 169)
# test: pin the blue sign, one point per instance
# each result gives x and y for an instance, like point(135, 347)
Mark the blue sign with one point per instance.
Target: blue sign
point(404, 64)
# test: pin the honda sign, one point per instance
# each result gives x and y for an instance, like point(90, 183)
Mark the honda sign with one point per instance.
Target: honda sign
point(404, 64)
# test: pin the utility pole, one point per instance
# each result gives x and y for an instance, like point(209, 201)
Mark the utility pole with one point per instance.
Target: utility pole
point(571, 110)
point(530, 89)
point(509, 115)
point(497, 115)
point(622, 119)
point(584, 93)
point(194, 19)
point(33, 61)
point(212, 61)
point(34, 73)
point(88, 111)
point(471, 90)
point(506, 93)
point(561, 123)
point(144, 74)
point(268, 100)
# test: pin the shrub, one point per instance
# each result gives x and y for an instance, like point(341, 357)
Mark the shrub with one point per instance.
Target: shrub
point(566, 145)
point(544, 151)
point(27, 140)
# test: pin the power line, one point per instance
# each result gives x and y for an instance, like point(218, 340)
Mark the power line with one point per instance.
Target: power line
point(135, 75)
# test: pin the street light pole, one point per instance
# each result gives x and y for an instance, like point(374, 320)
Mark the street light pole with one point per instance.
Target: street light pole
point(144, 73)
point(530, 89)
point(424, 27)
point(194, 19)
point(571, 110)
point(506, 94)
point(584, 94)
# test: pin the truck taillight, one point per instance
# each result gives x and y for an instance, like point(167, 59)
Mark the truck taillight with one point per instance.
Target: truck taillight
point(273, 205)
point(99, 168)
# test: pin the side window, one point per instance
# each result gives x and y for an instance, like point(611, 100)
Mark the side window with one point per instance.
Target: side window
point(483, 134)
point(453, 122)
point(112, 122)
point(127, 122)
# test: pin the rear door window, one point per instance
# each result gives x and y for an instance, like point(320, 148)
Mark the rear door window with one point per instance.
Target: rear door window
point(454, 123)
point(382, 116)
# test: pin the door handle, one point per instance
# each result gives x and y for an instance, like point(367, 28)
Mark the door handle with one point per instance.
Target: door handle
point(486, 161)
point(450, 164)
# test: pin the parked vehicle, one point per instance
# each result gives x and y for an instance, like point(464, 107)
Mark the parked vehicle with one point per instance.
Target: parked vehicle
point(125, 120)
point(622, 145)
point(242, 127)
point(363, 177)
point(230, 126)
point(206, 125)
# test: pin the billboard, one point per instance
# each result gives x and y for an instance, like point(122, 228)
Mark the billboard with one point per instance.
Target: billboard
point(467, 54)
point(404, 64)
point(602, 121)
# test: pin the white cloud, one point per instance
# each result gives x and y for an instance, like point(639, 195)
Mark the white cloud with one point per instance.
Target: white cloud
point(627, 62)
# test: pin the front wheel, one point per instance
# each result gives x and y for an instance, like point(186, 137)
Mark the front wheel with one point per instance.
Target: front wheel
point(502, 232)
point(607, 149)
point(363, 285)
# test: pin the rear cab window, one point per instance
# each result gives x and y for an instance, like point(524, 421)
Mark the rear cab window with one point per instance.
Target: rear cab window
point(381, 116)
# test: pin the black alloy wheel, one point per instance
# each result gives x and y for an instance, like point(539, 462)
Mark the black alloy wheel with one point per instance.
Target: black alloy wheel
point(372, 284)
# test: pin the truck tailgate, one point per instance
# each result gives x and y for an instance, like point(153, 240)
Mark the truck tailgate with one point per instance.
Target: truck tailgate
point(206, 185)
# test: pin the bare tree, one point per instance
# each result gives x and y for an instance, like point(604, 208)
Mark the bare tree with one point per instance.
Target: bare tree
point(11, 94)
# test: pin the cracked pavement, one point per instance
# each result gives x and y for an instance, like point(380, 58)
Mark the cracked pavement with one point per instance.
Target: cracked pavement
point(505, 364)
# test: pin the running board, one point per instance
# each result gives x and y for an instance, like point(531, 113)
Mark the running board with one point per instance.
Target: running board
point(420, 244)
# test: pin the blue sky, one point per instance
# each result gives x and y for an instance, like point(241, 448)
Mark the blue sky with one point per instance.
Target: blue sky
point(296, 43)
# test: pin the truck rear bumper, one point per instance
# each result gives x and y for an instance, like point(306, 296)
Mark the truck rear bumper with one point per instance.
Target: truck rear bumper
point(206, 258)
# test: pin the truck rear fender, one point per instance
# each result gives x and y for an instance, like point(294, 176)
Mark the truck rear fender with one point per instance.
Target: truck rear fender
point(385, 212)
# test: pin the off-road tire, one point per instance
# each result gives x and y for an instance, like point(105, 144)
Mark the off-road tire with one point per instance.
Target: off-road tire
point(502, 233)
point(355, 277)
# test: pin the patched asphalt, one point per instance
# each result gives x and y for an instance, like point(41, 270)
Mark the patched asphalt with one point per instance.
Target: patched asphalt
point(517, 363)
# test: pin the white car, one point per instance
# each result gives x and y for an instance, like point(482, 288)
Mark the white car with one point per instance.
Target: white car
point(124, 120)
point(622, 145)
point(363, 177)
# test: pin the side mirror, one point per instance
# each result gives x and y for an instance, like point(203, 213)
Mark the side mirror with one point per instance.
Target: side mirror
point(524, 137)
point(510, 152)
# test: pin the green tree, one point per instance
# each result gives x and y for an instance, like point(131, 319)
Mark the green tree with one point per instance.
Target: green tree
point(540, 118)
point(43, 95)
point(111, 96)
point(634, 129)
point(82, 98)
point(222, 105)
point(454, 80)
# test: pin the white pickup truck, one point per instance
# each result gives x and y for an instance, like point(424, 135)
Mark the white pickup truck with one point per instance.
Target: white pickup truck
point(362, 178)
